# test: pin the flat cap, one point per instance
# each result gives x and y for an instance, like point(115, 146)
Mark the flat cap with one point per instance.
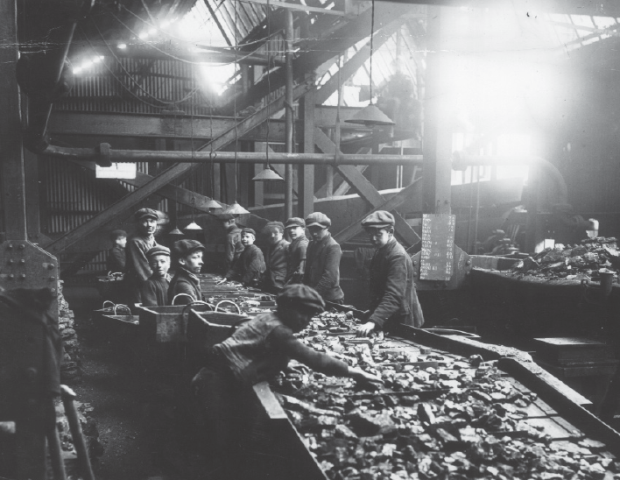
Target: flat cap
point(295, 222)
point(114, 234)
point(146, 213)
point(186, 247)
point(248, 230)
point(271, 226)
point(301, 296)
point(318, 219)
point(157, 250)
point(378, 219)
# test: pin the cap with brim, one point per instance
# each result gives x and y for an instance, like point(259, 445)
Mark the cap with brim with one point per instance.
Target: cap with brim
point(185, 247)
point(158, 250)
point(271, 226)
point(318, 219)
point(295, 222)
point(301, 297)
point(146, 213)
point(117, 233)
point(378, 219)
point(248, 230)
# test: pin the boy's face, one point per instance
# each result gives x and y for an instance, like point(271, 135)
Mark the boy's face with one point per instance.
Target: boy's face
point(296, 232)
point(274, 236)
point(378, 236)
point(147, 225)
point(247, 239)
point(193, 262)
point(121, 241)
point(317, 233)
point(160, 264)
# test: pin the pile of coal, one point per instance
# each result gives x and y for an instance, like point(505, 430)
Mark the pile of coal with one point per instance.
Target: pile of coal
point(70, 369)
point(436, 416)
point(584, 261)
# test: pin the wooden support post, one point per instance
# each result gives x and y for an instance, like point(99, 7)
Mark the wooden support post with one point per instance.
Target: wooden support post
point(306, 179)
point(12, 177)
point(33, 204)
point(437, 142)
point(289, 112)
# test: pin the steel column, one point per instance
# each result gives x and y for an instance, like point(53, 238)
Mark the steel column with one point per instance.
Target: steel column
point(289, 112)
point(306, 179)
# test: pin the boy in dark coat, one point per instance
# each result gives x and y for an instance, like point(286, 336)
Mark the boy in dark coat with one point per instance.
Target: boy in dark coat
point(138, 268)
point(257, 351)
point(250, 266)
point(117, 257)
point(393, 298)
point(233, 246)
point(275, 275)
point(154, 291)
point(186, 285)
point(296, 258)
point(323, 259)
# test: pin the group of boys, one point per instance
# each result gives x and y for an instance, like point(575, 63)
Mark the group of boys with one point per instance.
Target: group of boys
point(315, 263)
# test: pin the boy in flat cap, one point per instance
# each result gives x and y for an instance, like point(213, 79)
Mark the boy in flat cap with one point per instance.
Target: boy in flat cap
point(323, 259)
point(154, 291)
point(234, 247)
point(275, 275)
point(257, 351)
point(117, 257)
point(185, 286)
point(250, 266)
point(296, 259)
point(138, 268)
point(393, 298)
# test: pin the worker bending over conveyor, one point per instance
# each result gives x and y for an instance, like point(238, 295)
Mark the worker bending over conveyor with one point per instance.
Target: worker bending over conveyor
point(393, 298)
point(257, 351)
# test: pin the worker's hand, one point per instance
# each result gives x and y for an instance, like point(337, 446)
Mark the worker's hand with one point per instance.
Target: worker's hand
point(365, 329)
point(365, 377)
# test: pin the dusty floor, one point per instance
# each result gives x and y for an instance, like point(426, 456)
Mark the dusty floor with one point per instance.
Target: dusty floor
point(144, 432)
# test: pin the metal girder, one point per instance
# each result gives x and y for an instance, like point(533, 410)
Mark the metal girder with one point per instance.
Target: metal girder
point(578, 7)
point(356, 61)
point(169, 175)
point(368, 192)
point(156, 126)
point(296, 6)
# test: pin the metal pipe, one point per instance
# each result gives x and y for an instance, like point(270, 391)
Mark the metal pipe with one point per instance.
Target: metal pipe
point(289, 116)
point(171, 156)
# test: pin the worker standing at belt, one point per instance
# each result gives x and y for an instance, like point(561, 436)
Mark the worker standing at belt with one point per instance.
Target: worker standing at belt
point(154, 291)
point(297, 249)
point(323, 259)
point(257, 351)
point(186, 285)
point(250, 266)
point(393, 298)
point(233, 246)
point(275, 259)
point(138, 270)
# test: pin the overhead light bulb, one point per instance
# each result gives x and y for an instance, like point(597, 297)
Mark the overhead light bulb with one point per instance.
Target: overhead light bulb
point(122, 46)
point(176, 231)
point(370, 116)
point(212, 205)
point(193, 227)
point(268, 174)
point(235, 209)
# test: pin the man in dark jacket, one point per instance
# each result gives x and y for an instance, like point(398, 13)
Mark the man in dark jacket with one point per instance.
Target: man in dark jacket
point(138, 270)
point(250, 266)
point(296, 259)
point(117, 257)
point(186, 285)
point(233, 245)
point(275, 259)
point(393, 298)
point(323, 259)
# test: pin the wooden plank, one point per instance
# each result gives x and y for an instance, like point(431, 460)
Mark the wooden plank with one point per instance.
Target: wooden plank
point(305, 204)
point(169, 175)
point(12, 178)
point(368, 192)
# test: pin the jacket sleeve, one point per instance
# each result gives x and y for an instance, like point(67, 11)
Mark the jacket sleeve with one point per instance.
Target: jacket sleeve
point(395, 291)
point(148, 294)
point(137, 260)
point(283, 340)
point(331, 272)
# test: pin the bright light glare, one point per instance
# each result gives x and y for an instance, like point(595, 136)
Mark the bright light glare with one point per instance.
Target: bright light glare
point(122, 46)
point(152, 31)
point(87, 64)
point(77, 70)
point(143, 36)
point(97, 59)
point(216, 77)
point(165, 24)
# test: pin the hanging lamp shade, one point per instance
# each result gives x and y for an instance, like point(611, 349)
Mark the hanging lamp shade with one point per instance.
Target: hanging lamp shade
point(193, 227)
point(212, 205)
point(268, 174)
point(235, 209)
point(176, 231)
point(370, 116)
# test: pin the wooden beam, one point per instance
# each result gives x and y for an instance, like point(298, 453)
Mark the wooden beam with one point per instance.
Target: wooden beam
point(357, 60)
point(296, 6)
point(368, 192)
point(305, 204)
point(169, 175)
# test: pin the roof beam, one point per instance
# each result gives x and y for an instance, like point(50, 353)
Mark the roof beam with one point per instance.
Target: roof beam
point(296, 6)
point(169, 175)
